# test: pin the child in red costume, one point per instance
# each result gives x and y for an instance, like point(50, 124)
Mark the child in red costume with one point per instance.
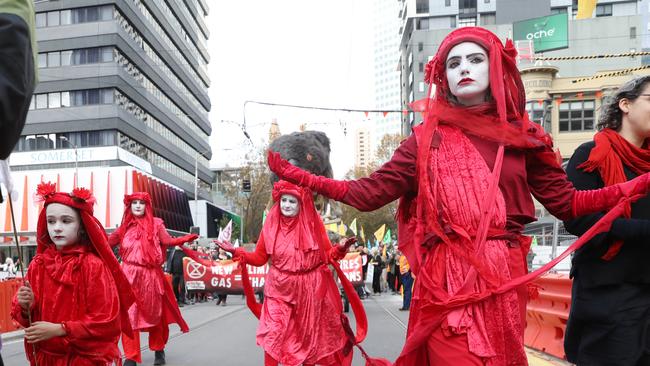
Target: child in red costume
point(74, 291)
point(301, 318)
point(465, 179)
point(143, 241)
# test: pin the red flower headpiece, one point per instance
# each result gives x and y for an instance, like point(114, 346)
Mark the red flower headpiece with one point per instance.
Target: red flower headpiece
point(79, 198)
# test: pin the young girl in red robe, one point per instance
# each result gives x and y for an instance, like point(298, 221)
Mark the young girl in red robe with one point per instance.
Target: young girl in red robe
point(143, 242)
point(301, 318)
point(74, 291)
point(465, 178)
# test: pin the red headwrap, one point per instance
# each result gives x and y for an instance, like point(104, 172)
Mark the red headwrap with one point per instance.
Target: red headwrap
point(82, 200)
point(299, 230)
point(143, 223)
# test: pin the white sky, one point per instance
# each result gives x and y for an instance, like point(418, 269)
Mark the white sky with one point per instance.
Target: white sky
point(304, 52)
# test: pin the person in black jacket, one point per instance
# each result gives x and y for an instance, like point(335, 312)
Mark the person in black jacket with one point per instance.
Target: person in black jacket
point(178, 280)
point(610, 305)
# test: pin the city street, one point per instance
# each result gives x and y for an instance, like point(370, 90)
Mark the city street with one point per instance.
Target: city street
point(226, 336)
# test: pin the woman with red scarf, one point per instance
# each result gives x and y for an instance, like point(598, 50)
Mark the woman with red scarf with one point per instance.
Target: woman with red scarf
point(610, 306)
point(465, 178)
point(301, 318)
point(75, 295)
point(143, 242)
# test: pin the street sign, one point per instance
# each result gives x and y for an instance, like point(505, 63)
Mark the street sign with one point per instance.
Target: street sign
point(547, 33)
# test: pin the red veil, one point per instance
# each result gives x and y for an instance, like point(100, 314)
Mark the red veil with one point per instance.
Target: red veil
point(310, 234)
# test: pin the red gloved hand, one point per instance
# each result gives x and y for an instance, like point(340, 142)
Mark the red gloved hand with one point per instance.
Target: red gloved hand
point(598, 200)
point(284, 170)
point(184, 239)
point(339, 251)
point(226, 245)
point(189, 237)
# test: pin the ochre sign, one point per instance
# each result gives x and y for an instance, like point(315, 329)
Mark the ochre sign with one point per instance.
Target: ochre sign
point(223, 276)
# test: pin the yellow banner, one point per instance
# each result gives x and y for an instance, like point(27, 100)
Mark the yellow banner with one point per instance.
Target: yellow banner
point(379, 234)
point(332, 227)
point(342, 230)
point(586, 9)
point(363, 236)
point(353, 226)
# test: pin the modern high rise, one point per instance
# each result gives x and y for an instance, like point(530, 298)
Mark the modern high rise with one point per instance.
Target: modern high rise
point(122, 104)
point(386, 66)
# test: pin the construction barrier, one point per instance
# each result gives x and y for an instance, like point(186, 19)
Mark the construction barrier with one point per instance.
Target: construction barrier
point(547, 314)
point(7, 290)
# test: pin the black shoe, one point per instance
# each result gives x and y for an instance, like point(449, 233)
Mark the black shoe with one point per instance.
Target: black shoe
point(218, 302)
point(159, 358)
point(180, 304)
point(129, 363)
point(403, 309)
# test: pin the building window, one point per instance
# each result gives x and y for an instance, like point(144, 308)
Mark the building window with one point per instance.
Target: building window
point(423, 23)
point(422, 6)
point(466, 22)
point(447, 2)
point(576, 116)
point(74, 16)
point(555, 11)
point(604, 10)
point(421, 67)
point(486, 1)
point(452, 22)
point(420, 46)
point(632, 32)
point(488, 19)
point(466, 7)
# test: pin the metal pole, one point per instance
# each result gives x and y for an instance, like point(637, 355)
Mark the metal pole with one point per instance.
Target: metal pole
point(556, 229)
point(22, 263)
point(76, 165)
point(196, 190)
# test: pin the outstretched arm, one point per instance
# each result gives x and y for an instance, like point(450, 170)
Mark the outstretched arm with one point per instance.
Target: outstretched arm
point(166, 239)
point(394, 179)
point(257, 258)
point(548, 182)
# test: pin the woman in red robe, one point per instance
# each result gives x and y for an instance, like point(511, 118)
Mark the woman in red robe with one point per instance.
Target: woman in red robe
point(465, 178)
point(300, 320)
point(74, 294)
point(143, 242)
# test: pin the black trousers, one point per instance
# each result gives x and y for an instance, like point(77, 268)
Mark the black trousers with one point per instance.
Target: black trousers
point(608, 325)
point(178, 283)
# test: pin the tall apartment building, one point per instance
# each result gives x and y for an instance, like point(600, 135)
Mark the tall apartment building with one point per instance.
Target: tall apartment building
point(122, 105)
point(386, 60)
point(425, 23)
point(363, 148)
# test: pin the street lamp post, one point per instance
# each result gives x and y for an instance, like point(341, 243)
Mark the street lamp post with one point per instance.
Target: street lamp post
point(196, 185)
point(76, 159)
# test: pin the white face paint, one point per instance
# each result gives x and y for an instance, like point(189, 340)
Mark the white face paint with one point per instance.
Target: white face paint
point(468, 73)
point(63, 224)
point(138, 207)
point(289, 205)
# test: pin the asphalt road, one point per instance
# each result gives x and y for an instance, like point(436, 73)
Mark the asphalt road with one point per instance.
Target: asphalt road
point(226, 335)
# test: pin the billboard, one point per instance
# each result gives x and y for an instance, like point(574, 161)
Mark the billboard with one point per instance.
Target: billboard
point(547, 33)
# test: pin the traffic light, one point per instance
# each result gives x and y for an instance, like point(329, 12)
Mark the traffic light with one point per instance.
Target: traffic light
point(246, 185)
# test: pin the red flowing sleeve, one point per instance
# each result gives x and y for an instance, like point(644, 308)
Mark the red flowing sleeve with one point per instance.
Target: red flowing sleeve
point(168, 240)
point(99, 325)
point(257, 258)
point(391, 181)
point(115, 237)
point(549, 184)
